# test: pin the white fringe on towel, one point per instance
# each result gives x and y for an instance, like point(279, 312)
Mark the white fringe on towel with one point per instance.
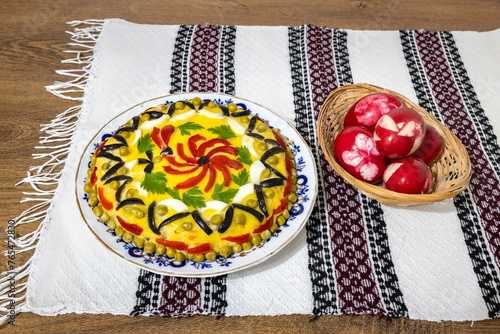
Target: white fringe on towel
point(55, 147)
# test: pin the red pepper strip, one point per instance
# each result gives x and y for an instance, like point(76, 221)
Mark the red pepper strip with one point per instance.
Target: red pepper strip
point(165, 132)
point(288, 187)
point(201, 249)
point(279, 139)
point(172, 170)
point(239, 239)
point(132, 228)
point(192, 144)
point(93, 177)
point(157, 139)
point(281, 208)
point(192, 181)
point(223, 149)
point(288, 163)
point(99, 148)
point(265, 226)
point(210, 143)
point(222, 159)
point(211, 178)
point(180, 151)
point(149, 109)
point(174, 162)
point(223, 169)
point(178, 245)
point(107, 205)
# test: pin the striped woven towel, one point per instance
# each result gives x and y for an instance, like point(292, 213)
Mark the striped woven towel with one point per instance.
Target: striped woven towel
point(436, 261)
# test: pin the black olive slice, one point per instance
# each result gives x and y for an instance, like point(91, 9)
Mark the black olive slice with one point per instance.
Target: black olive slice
point(142, 161)
point(109, 156)
point(189, 104)
point(271, 142)
point(167, 151)
point(203, 105)
point(260, 199)
point(125, 129)
point(274, 171)
point(135, 123)
point(118, 194)
point(255, 135)
point(149, 154)
point(151, 218)
point(251, 211)
point(228, 218)
point(269, 183)
point(148, 168)
point(271, 151)
point(173, 218)
point(112, 170)
point(129, 201)
point(120, 139)
point(171, 109)
point(251, 124)
point(111, 147)
point(241, 113)
point(154, 114)
point(201, 223)
point(118, 178)
point(225, 111)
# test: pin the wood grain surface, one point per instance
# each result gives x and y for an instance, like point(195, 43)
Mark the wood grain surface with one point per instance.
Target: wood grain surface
point(32, 40)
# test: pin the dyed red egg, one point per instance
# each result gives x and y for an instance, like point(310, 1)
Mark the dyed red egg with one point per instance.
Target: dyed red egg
point(367, 111)
point(409, 175)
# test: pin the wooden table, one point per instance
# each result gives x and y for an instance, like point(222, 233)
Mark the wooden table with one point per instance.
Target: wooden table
point(32, 39)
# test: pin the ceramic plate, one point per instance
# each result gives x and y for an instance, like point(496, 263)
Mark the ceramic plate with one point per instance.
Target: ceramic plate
point(306, 193)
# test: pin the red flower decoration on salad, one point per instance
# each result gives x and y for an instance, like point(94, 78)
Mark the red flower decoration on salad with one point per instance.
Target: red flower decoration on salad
point(205, 157)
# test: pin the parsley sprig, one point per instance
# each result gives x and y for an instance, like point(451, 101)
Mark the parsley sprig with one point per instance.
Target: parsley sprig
point(244, 155)
point(242, 178)
point(223, 196)
point(223, 131)
point(144, 144)
point(155, 183)
point(193, 197)
point(187, 127)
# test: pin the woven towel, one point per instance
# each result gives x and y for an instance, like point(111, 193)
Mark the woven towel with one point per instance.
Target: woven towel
point(355, 256)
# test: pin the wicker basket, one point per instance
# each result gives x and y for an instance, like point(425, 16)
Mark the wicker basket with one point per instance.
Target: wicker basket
point(451, 172)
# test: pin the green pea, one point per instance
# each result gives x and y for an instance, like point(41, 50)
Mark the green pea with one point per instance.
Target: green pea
point(105, 166)
point(269, 193)
point(93, 200)
point(293, 178)
point(88, 188)
point(217, 219)
point(149, 247)
point(125, 134)
point(272, 160)
point(265, 235)
point(180, 257)
point(90, 171)
point(225, 251)
point(122, 171)
point(294, 189)
point(255, 240)
point(171, 252)
point(160, 249)
point(290, 206)
point(240, 219)
point(157, 159)
point(261, 127)
point(252, 203)
point(237, 248)
point(179, 106)
point(246, 245)
point(98, 210)
point(266, 173)
point(274, 228)
point(139, 242)
point(92, 165)
point(128, 237)
point(119, 231)
point(210, 256)
point(161, 210)
point(286, 214)
point(130, 122)
point(93, 158)
point(212, 104)
point(262, 146)
point(114, 185)
point(112, 225)
point(280, 220)
point(105, 217)
point(145, 117)
point(244, 119)
point(124, 150)
point(199, 257)
point(196, 101)
point(139, 214)
point(187, 226)
point(232, 107)
point(161, 107)
point(130, 193)
point(292, 197)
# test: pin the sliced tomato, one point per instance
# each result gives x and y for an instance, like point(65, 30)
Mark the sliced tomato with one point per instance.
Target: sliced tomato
point(223, 149)
point(101, 145)
point(192, 181)
point(132, 228)
point(279, 139)
point(93, 177)
point(239, 239)
point(265, 226)
point(222, 159)
point(182, 154)
point(203, 147)
point(165, 132)
point(192, 144)
point(288, 187)
point(174, 162)
point(224, 170)
point(172, 170)
point(201, 249)
point(155, 134)
point(211, 178)
point(178, 245)
point(107, 205)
